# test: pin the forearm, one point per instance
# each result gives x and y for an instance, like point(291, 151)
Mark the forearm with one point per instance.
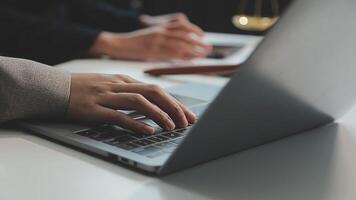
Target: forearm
point(32, 90)
point(43, 40)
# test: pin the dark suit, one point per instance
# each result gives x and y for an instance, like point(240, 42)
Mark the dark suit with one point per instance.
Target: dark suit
point(53, 31)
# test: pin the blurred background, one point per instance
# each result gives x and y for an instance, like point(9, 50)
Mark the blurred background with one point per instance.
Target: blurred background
point(228, 16)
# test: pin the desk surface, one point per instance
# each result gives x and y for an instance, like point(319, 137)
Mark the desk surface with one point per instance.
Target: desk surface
point(316, 165)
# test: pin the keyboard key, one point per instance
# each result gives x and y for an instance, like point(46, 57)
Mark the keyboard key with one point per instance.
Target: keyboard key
point(143, 142)
point(115, 131)
point(181, 131)
point(101, 129)
point(106, 137)
point(140, 135)
point(172, 135)
point(158, 138)
point(87, 133)
point(120, 140)
point(94, 136)
point(127, 146)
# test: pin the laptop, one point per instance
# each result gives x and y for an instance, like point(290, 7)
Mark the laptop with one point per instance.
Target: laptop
point(301, 77)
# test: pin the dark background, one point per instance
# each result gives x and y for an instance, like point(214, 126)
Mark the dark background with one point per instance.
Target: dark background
point(211, 15)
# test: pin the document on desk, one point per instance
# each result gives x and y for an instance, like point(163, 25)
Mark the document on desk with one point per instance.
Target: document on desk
point(229, 50)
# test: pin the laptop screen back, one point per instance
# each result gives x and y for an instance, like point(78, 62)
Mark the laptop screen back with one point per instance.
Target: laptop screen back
point(301, 76)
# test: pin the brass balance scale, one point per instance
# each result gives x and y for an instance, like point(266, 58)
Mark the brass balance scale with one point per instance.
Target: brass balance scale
point(255, 21)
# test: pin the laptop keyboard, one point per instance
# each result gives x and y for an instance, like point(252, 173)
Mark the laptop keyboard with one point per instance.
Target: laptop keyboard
point(151, 146)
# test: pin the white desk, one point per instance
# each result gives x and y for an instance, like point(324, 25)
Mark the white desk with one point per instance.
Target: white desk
point(315, 165)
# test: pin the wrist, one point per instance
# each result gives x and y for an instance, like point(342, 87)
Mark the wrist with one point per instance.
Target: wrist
point(144, 20)
point(103, 44)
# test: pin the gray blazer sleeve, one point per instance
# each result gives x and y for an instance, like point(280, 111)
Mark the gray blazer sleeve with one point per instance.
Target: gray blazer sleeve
point(32, 90)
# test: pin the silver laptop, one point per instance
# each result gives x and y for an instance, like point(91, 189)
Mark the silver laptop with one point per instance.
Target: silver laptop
point(302, 76)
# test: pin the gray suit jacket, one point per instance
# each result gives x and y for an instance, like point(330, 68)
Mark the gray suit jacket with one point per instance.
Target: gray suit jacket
point(31, 90)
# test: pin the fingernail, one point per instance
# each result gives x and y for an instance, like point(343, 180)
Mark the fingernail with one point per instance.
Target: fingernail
point(149, 130)
point(170, 125)
point(194, 36)
point(193, 117)
point(193, 114)
point(186, 123)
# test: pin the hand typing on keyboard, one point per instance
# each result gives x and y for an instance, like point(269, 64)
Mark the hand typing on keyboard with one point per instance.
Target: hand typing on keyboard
point(96, 98)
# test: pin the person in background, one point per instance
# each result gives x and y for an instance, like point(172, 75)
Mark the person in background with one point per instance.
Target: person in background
point(33, 90)
point(54, 31)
